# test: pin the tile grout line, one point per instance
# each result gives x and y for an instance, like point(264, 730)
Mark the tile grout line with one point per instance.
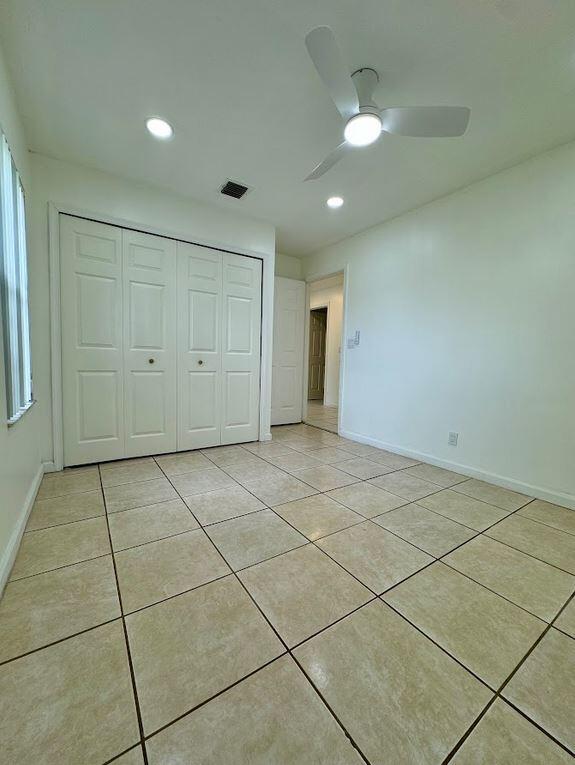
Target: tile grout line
point(125, 631)
point(282, 641)
point(499, 693)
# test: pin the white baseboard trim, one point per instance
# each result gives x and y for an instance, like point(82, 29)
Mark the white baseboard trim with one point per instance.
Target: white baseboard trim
point(539, 492)
point(266, 437)
point(50, 467)
point(9, 556)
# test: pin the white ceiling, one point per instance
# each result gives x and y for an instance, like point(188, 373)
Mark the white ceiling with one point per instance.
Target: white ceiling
point(234, 79)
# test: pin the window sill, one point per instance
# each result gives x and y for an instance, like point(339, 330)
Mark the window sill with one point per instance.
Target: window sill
point(18, 416)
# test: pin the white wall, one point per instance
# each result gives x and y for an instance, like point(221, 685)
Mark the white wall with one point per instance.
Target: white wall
point(288, 266)
point(329, 292)
point(19, 447)
point(100, 193)
point(467, 313)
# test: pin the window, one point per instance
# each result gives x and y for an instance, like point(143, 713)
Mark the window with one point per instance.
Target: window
point(14, 288)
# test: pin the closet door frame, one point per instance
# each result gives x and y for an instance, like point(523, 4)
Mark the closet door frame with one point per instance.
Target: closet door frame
point(55, 461)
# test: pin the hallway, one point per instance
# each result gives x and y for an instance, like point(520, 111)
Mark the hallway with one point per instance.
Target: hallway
point(321, 416)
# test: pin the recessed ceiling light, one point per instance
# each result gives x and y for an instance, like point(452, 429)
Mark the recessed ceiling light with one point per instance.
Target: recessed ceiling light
point(159, 128)
point(334, 202)
point(363, 129)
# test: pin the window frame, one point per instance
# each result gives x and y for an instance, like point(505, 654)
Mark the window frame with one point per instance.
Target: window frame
point(15, 308)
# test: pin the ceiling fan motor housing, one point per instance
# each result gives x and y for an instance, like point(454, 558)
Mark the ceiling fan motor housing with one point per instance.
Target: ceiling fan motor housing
point(366, 81)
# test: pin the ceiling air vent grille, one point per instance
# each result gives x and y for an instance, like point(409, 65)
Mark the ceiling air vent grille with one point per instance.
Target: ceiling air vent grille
point(233, 189)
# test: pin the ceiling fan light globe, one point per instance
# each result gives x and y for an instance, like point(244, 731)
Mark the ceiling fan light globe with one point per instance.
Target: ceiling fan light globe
point(362, 129)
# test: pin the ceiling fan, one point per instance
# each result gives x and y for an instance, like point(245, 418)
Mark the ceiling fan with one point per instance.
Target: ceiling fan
point(365, 121)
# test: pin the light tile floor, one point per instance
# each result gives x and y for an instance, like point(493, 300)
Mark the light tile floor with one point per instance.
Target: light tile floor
point(322, 416)
point(306, 601)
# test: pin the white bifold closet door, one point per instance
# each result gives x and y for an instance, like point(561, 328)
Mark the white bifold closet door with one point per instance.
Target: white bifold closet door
point(92, 341)
point(149, 343)
point(219, 299)
point(160, 344)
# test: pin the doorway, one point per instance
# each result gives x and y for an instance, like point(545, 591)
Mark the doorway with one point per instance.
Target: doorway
point(317, 338)
point(325, 313)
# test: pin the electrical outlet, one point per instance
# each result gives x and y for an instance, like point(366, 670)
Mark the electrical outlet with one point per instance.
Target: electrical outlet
point(350, 342)
point(356, 337)
point(452, 438)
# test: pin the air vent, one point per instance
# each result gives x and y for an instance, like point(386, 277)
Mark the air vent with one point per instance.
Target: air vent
point(233, 189)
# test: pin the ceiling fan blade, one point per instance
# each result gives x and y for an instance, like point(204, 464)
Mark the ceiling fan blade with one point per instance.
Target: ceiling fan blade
point(324, 52)
point(328, 162)
point(426, 121)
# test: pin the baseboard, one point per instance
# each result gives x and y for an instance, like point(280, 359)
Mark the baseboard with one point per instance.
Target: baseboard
point(50, 467)
point(539, 492)
point(266, 437)
point(9, 556)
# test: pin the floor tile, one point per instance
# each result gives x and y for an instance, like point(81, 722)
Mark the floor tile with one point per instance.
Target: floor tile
point(223, 504)
point(401, 698)
point(66, 509)
point(299, 443)
point(61, 546)
point(429, 531)
point(527, 582)
point(362, 468)
point(462, 509)
point(189, 648)
point(566, 620)
point(183, 462)
point(303, 591)
point(436, 475)
point(130, 472)
point(493, 495)
point(133, 757)
point(228, 455)
point(130, 495)
point(543, 542)
point(325, 477)
point(504, 736)
point(295, 461)
point(330, 454)
point(487, 634)
point(375, 556)
point(58, 484)
point(201, 481)
point(544, 687)
point(49, 607)
point(56, 703)
point(158, 570)
point(366, 499)
point(252, 538)
point(267, 449)
point(276, 491)
point(406, 486)
point(256, 470)
point(361, 450)
point(317, 516)
point(150, 523)
point(236, 726)
point(562, 518)
point(394, 461)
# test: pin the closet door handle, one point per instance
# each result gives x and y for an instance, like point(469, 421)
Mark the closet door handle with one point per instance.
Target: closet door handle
point(200, 362)
point(151, 361)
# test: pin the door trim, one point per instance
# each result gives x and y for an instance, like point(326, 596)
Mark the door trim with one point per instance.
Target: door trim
point(56, 209)
point(315, 277)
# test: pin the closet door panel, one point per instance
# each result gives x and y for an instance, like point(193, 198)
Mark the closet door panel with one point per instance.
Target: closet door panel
point(199, 341)
point(149, 343)
point(241, 325)
point(91, 318)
